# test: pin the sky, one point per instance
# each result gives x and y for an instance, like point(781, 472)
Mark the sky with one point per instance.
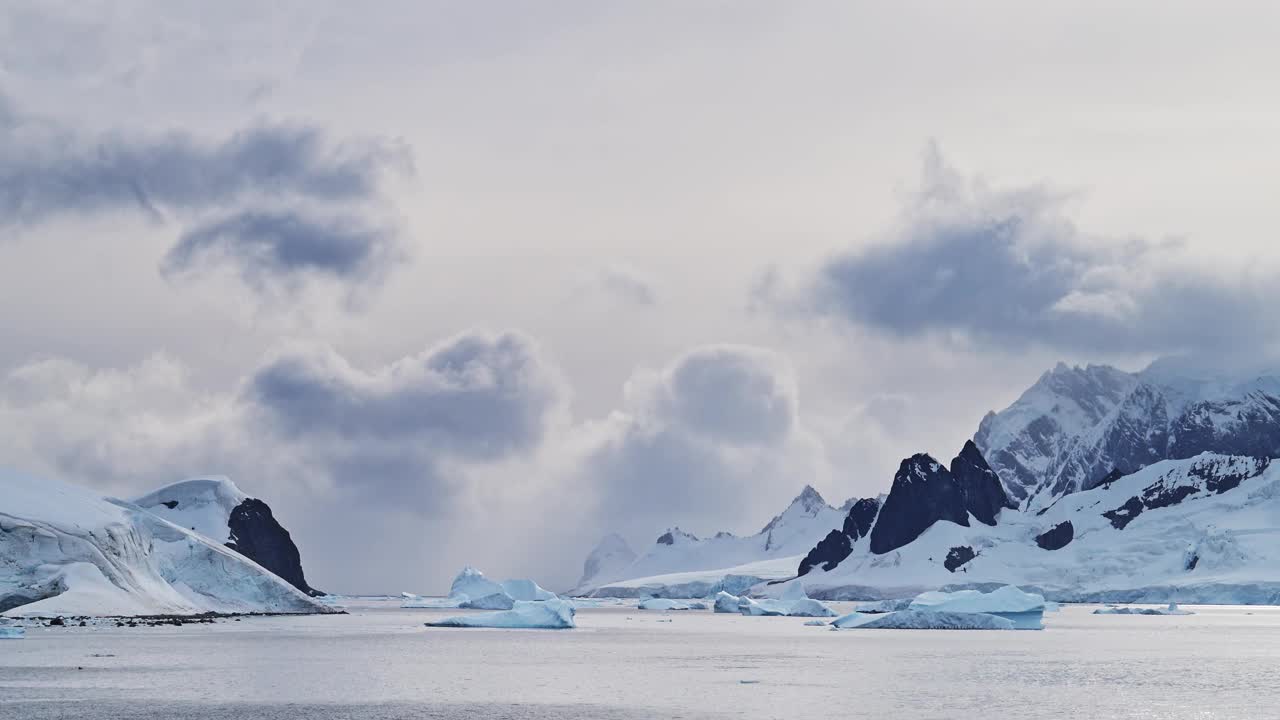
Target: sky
point(455, 283)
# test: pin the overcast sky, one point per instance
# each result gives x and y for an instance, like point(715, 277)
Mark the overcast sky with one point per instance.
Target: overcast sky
point(477, 282)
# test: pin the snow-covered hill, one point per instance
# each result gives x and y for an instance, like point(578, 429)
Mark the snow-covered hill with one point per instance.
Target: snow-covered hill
point(1076, 425)
point(217, 509)
point(1203, 529)
point(782, 543)
point(65, 550)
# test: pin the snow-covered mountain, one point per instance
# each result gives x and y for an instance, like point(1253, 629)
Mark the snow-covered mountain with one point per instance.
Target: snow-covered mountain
point(65, 550)
point(785, 539)
point(1201, 529)
point(1076, 426)
point(607, 562)
point(217, 509)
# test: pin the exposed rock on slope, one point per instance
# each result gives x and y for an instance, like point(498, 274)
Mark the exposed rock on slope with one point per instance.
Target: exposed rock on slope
point(216, 508)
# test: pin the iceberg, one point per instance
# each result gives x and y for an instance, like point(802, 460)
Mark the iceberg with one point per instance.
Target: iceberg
point(793, 603)
point(1025, 610)
point(526, 590)
point(1172, 609)
point(554, 614)
point(669, 604)
point(472, 590)
point(409, 600)
point(12, 632)
point(923, 620)
point(885, 606)
point(726, 603)
point(815, 623)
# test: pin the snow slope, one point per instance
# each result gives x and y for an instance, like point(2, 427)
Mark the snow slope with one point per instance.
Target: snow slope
point(706, 565)
point(65, 550)
point(1204, 529)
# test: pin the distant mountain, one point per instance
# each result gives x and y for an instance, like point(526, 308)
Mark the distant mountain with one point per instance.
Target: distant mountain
point(65, 550)
point(789, 535)
point(1076, 425)
point(217, 509)
point(607, 562)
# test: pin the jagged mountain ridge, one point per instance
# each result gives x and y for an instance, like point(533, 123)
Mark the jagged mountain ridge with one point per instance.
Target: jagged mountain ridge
point(1076, 425)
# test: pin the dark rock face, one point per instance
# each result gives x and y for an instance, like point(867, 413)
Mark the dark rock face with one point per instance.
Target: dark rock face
point(1057, 537)
point(1208, 476)
point(257, 535)
point(980, 486)
point(923, 493)
point(958, 556)
point(836, 546)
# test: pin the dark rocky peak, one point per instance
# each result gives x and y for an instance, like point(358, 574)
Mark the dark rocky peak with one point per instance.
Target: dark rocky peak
point(923, 493)
point(257, 535)
point(838, 544)
point(984, 495)
point(676, 535)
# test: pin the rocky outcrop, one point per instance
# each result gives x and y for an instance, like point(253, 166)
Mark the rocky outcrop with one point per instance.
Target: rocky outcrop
point(1057, 537)
point(837, 545)
point(984, 495)
point(257, 535)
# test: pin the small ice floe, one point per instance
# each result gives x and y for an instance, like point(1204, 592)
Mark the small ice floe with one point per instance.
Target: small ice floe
point(11, 632)
point(1172, 609)
point(556, 614)
point(922, 620)
point(816, 623)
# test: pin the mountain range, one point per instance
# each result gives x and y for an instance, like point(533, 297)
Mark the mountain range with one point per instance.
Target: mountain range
point(1094, 484)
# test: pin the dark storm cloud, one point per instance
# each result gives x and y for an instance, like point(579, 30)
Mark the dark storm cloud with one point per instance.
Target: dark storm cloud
point(731, 394)
point(474, 398)
point(242, 200)
point(49, 170)
point(1008, 268)
point(269, 245)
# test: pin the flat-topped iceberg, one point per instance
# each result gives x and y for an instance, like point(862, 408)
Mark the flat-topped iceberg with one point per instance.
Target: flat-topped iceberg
point(1025, 610)
point(553, 614)
point(1172, 609)
point(409, 600)
point(12, 632)
point(923, 620)
point(885, 606)
point(669, 604)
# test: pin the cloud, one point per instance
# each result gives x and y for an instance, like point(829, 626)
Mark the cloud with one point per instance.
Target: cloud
point(246, 199)
point(1009, 268)
point(474, 397)
point(711, 442)
point(627, 285)
point(269, 247)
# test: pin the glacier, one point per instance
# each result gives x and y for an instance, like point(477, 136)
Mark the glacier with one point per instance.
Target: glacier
point(65, 550)
point(554, 614)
